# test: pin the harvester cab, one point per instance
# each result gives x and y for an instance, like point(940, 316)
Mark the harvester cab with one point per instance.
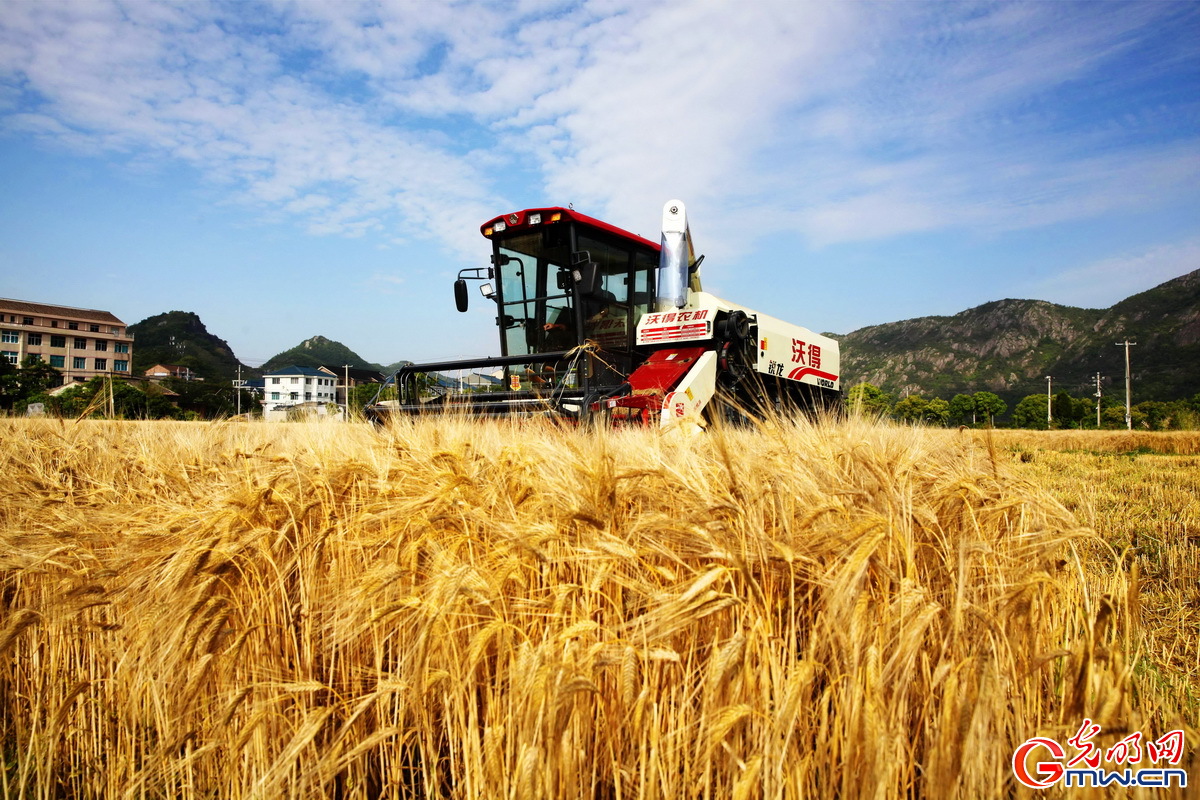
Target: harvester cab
point(595, 320)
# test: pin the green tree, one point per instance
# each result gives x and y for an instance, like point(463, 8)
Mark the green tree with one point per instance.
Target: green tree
point(211, 399)
point(364, 393)
point(100, 395)
point(1181, 416)
point(990, 404)
point(1156, 414)
point(10, 384)
point(1062, 409)
point(1075, 411)
point(1030, 412)
point(910, 409)
point(1114, 417)
point(36, 376)
point(962, 406)
point(937, 411)
point(18, 386)
point(868, 399)
point(1085, 412)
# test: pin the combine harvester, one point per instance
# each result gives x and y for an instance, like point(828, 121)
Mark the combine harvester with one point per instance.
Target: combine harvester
point(597, 321)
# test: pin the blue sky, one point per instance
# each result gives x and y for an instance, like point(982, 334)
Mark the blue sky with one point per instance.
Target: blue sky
point(288, 169)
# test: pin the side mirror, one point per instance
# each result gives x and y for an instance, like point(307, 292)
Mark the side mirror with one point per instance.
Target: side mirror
point(460, 294)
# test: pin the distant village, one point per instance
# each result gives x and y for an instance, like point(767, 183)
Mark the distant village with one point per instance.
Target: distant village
point(82, 344)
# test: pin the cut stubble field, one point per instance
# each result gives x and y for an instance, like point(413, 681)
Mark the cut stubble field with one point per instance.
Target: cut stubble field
point(469, 610)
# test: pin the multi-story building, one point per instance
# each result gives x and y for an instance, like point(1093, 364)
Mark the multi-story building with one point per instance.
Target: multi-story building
point(294, 386)
point(81, 343)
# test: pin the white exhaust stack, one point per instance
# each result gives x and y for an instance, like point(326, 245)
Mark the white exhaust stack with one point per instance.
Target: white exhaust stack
point(676, 258)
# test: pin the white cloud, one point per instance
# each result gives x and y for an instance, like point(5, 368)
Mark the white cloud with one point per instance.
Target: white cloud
point(1108, 281)
point(167, 80)
point(835, 121)
point(383, 283)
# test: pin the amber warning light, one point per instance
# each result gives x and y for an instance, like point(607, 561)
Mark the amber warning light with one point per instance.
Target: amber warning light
point(533, 218)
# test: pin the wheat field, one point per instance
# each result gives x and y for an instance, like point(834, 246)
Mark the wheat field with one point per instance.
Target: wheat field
point(448, 609)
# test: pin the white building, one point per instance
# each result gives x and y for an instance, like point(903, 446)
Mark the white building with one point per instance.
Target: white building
point(296, 388)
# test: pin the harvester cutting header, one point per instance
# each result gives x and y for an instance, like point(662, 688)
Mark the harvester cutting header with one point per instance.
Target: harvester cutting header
point(595, 320)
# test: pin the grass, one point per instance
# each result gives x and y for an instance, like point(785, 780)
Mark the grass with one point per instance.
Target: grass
point(446, 609)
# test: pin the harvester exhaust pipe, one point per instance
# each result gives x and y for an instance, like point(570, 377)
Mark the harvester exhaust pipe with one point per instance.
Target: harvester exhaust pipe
point(676, 258)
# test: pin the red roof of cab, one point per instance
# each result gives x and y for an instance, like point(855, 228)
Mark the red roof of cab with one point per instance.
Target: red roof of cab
point(567, 213)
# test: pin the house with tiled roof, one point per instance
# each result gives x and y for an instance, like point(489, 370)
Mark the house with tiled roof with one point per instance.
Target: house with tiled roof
point(160, 371)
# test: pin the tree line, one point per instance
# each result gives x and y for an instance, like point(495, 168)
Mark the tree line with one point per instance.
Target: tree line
point(104, 397)
point(988, 408)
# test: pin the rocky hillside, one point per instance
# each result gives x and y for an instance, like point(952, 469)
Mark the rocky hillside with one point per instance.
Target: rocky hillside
point(179, 337)
point(1010, 346)
point(318, 350)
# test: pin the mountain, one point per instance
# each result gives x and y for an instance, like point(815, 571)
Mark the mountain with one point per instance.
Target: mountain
point(316, 351)
point(1010, 346)
point(179, 337)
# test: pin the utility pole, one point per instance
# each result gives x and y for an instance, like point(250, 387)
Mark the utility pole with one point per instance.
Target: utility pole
point(346, 391)
point(1049, 382)
point(237, 390)
point(1097, 401)
point(1128, 385)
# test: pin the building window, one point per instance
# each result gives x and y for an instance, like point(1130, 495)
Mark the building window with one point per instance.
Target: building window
point(294, 396)
point(308, 395)
point(53, 323)
point(27, 320)
point(58, 361)
point(78, 363)
point(58, 341)
point(33, 338)
point(101, 363)
point(120, 366)
point(10, 337)
point(80, 343)
point(120, 347)
point(94, 328)
point(274, 395)
point(74, 326)
point(9, 355)
point(275, 382)
point(295, 380)
point(101, 345)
